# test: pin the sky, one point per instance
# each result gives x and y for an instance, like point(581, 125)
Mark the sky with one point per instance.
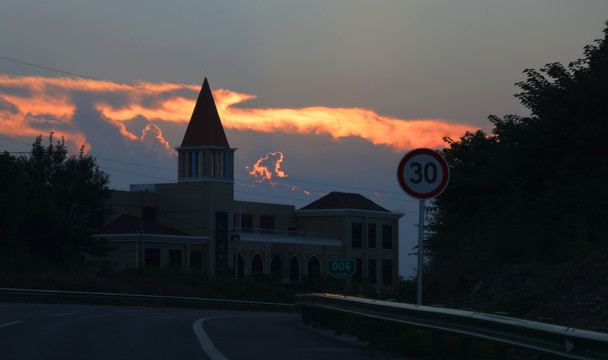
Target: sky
point(334, 92)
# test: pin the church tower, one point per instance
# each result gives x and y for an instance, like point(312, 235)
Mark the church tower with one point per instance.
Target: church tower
point(206, 180)
point(204, 154)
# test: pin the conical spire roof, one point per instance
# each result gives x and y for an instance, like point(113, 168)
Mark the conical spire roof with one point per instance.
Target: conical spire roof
point(205, 127)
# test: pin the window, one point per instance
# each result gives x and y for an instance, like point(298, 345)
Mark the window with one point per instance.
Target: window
point(371, 236)
point(387, 272)
point(180, 164)
point(267, 224)
point(294, 269)
point(241, 265)
point(257, 264)
point(371, 271)
point(227, 165)
point(246, 222)
point(216, 164)
point(195, 259)
point(186, 166)
point(356, 234)
point(194, 164)
point(175, 258)
point(387, 236)
point(314, 267)
point(152, 257)
point(276, 268)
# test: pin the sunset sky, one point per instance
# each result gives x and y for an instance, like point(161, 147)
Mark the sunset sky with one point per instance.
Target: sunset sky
point(329, 94)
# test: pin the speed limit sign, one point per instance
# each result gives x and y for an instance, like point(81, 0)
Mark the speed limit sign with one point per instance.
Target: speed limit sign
point(423, 173)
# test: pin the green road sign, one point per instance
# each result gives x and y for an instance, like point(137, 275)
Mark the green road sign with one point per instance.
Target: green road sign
point(341, 268)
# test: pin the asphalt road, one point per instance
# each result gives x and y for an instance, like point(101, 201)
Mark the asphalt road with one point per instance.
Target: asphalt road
point(43, 331)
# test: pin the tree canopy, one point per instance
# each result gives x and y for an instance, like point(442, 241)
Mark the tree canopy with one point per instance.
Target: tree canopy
point(51, 202)
point(535, 188)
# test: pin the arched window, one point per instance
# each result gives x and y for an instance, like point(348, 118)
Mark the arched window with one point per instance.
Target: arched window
point(257, 264)
point(294, 269)
point(241, 266)
point(276, 268)
point(314, 267)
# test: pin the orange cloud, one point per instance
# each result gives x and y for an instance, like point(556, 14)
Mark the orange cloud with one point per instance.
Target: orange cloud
point(266, 166)
point(21, 107)
point(396, 133)
point(153, 137)
point(377, 196)
point(33, 105)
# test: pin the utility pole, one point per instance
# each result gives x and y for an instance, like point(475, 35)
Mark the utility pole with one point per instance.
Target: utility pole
point(139, 259)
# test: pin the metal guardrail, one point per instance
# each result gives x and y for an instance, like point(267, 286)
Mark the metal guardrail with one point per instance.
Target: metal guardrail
point(502, 331)
point(113, 298)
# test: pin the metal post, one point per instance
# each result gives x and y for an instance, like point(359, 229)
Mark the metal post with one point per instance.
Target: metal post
point(141, 250)
point(364, 244)
point(420, 250)
point(236, 259)
point(236, 249)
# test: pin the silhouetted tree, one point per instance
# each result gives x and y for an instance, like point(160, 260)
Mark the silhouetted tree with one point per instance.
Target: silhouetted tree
point(535, 188)
point(14, 185)
point(55, 201)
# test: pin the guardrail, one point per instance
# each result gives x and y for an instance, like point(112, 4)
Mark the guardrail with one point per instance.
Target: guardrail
point(327, 311)
point(137, 299)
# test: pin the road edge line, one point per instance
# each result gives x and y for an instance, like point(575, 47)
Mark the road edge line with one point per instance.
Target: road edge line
point(205, 341)
point(10, 323)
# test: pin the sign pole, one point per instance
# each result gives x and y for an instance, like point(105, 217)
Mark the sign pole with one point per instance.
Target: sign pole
point(420, 250)
point(422, 174)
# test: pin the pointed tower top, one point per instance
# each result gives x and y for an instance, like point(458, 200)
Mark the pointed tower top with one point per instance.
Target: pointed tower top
point(205, 127)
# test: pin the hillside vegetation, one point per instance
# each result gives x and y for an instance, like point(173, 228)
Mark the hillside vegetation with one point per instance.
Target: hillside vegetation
point(523, 223)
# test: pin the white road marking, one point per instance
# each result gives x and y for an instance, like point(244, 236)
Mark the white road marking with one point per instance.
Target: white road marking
point(11, 323)
point(205, 341)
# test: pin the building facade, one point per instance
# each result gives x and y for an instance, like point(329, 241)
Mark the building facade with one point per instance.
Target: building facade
point(197, 223)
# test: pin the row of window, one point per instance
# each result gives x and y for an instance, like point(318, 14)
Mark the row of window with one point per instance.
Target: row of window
point(371, 270)
point(153, 260)
point(246, 223)
point(277, 270)
point(387, 271)
point(205, 163)
point(357, 236)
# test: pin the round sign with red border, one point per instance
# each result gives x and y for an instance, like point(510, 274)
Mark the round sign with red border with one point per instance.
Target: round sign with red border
point(423, 173)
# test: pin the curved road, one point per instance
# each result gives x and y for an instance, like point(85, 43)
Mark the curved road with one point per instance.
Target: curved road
point(43, 331)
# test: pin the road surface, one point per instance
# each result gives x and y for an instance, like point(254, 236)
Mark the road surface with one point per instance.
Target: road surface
point(44, 331)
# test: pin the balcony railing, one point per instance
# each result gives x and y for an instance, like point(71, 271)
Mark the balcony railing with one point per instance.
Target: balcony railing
point(287, 236)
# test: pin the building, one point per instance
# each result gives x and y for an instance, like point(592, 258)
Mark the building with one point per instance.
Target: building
point(197, 223)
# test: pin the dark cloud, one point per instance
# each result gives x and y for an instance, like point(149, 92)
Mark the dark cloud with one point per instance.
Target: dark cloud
point(21, 90)
point(7, 106)
point(45, 122)
point(118, 99)
point(136, 125)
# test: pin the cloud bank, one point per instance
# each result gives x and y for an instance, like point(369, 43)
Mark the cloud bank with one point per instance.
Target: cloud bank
point(96, 113)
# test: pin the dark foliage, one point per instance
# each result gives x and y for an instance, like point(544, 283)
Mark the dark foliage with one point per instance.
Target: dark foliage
point(51, 202)
point(14, 185)
point(534, 189)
